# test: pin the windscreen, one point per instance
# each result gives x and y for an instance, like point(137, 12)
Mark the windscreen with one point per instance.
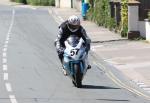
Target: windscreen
point(73, 40)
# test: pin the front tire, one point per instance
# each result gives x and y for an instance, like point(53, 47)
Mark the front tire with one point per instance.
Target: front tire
point(78, 76)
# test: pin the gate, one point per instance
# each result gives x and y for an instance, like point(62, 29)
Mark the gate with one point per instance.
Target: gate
point(144, 8)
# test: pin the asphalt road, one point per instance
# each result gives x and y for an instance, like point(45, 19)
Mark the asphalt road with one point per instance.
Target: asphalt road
point(30, 69)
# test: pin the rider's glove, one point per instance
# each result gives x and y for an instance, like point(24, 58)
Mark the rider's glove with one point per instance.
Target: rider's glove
point(87, 47)
point(60, 50)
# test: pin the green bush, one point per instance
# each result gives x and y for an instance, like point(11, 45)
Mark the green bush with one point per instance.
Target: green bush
point(12, 0)
point(19, 1)
point(37, 2)
point(100, 14)
point(112, 24)
point(41, 2)
point(124, 18)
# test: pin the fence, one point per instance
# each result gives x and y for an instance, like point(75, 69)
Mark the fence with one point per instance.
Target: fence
point(115, 8)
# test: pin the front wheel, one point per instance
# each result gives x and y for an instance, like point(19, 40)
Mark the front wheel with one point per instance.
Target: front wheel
point(78, 76)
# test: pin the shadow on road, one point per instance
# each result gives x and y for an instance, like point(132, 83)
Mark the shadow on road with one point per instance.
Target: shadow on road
point(97, 87)
point(113, 100)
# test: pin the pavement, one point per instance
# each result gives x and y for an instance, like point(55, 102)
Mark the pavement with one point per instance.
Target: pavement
point(5, 2)
point(130, 57)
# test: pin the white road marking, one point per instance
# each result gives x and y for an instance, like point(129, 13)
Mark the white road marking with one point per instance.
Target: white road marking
point(4, 67)
point(4, 54)
point(13, 99)
point(5, 46)
point(5, 76)
point(4, 49)
point(147, 89)
point(4, 60)
point(6, 42)
point(8, 87)
point(143, 86)
point(140, 83)
point(8, 38)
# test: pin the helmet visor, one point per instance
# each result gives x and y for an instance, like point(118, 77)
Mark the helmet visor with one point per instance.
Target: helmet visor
point(73, 27)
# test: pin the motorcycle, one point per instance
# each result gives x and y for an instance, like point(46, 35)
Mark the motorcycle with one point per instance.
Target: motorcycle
point(75, 59)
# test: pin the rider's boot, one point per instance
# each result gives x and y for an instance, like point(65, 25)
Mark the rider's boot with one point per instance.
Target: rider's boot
point(64, 72)
point(89, 67)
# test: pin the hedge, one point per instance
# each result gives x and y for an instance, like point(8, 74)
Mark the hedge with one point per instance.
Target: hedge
point(37, 2)
point(100, 14)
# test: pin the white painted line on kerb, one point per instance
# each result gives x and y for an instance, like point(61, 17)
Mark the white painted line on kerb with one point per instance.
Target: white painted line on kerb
point(4, 67)
point(12, 99)
point(5, 76)
point(8, 87)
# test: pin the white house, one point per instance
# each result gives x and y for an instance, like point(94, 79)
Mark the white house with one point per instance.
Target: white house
point(64, 3)
point(135, 25)
point(68, 4)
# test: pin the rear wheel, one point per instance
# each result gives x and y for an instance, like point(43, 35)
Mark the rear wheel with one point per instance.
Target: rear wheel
point(78, 76)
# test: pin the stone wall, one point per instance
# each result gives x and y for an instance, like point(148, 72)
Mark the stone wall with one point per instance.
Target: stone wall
point(77, 4)
point(147, 25)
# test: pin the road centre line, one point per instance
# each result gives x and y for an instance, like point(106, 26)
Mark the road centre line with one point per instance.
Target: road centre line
point(4, 55)
point(5, 46)
point(4, 49)
point(4, 61)
point(12, 99)
point(6, 42)
point(5, 76)
point(8, 87)
point(7, 39)
point(4, 67)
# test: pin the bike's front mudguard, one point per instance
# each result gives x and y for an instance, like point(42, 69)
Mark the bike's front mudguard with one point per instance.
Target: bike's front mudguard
point(69, 67)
